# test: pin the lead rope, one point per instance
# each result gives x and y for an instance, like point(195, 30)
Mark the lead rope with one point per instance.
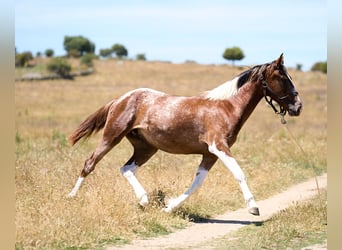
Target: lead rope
point(283, 121)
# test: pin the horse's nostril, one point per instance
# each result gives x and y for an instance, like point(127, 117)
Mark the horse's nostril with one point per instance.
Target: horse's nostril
point(299, 108)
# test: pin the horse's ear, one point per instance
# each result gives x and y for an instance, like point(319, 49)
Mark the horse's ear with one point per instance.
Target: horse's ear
point(280, 60)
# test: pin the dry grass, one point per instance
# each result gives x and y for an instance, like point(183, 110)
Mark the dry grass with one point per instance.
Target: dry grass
point(105, 210)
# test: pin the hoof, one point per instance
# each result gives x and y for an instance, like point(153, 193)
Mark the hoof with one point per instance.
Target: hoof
point(254, 211)
point(144, 200)
point(71, 195)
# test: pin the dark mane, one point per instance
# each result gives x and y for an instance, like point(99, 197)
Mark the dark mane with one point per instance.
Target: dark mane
point(251, 74)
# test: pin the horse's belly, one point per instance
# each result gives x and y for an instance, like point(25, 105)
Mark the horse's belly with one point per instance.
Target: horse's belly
point(176, 143)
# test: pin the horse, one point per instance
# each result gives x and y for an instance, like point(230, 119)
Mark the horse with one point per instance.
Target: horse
point(207, 124)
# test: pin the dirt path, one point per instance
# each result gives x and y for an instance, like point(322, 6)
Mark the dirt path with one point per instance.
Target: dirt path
point(221, 225)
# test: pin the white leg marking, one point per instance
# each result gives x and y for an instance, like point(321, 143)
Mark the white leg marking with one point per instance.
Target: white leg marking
point(174, 203)
point(234, 167)
point(129, 172)
point(76, 187)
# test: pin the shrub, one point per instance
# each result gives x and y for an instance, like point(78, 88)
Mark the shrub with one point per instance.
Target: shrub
point(22, 59)
point(106, 52)
point(59, 66)
point(320, 66)
point(87, 59)
point(141, 57)
point(73, 53)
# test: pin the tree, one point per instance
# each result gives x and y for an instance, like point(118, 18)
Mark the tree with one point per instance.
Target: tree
point(299, 66)
point(119, 50)
point(49, 52)
point(77, 45)
point(233, 53)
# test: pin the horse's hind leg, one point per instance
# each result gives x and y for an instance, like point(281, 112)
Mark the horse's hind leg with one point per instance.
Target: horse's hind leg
point(119, 121)
point(141, 154)
point(109, 140)
point(90, 164)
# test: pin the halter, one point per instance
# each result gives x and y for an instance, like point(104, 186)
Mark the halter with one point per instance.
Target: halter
point(269, 99)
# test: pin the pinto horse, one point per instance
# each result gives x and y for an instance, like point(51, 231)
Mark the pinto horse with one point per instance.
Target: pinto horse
point(207, 124)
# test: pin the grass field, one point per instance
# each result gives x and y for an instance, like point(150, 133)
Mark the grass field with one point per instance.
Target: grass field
point(105, 210)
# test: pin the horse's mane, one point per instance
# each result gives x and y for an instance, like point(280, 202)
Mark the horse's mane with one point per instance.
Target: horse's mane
point(223, 91)
point(231, 87)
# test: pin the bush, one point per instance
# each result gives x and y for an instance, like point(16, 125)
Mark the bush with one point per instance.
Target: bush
point(59, 66)
point(106, 53)
point(320, 66)
point(141, 57)
point(73, 53)
point(87, 59)
point(22, 59)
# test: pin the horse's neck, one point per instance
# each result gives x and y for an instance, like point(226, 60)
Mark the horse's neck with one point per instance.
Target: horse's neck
point(245, 101)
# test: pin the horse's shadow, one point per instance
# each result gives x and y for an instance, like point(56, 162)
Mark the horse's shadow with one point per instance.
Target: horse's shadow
point(237, 222)
point(203, 220)
point(158, 201)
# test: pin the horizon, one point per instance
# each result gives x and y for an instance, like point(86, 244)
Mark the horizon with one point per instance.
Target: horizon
point(177, 31)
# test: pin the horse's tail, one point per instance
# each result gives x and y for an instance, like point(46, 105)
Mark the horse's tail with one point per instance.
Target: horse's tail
point(92, 123)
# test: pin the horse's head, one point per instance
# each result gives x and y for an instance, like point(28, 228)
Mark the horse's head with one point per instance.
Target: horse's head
point(278, 85)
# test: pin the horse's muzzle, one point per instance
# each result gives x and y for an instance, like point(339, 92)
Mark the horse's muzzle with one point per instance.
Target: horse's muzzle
point(296, 108)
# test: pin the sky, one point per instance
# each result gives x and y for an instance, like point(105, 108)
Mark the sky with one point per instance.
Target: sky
point(177, 31)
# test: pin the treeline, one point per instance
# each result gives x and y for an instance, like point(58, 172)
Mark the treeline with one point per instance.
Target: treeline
point(81, 47)
point(78, 47)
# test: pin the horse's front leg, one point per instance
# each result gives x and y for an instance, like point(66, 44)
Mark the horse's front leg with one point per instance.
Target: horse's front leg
point(202, 171)
point(223, 154)
point(177, 202)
